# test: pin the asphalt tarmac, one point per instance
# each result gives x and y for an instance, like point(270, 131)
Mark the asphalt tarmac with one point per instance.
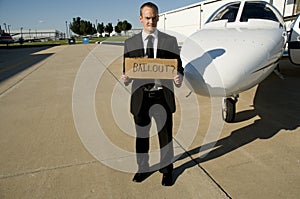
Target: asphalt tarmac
point(66, 132)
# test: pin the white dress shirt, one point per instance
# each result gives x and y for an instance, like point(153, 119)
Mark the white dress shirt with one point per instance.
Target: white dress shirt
point(157, 82)
point(155, 41)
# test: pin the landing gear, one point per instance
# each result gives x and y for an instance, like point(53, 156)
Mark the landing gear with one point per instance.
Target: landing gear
point(278, 73)
point(229, 109)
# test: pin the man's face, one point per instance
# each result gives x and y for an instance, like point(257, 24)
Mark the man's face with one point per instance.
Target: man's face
point(149, 19)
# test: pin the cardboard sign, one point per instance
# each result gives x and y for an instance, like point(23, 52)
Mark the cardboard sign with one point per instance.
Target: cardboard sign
point(149, 68)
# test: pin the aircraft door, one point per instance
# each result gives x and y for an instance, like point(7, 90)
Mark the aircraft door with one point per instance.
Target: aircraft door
point(294, 42)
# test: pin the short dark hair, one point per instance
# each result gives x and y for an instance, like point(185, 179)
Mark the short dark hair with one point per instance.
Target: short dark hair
point(149, 4)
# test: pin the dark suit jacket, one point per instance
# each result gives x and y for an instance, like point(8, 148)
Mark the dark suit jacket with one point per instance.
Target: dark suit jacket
point(167, 48)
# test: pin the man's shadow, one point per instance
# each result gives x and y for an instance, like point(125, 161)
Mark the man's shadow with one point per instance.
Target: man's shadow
point(277, 104)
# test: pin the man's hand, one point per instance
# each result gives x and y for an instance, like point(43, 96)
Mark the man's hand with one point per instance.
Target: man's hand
point(178, 80)
point(126, 79)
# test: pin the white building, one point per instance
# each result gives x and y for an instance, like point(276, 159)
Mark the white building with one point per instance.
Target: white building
point(37, 34)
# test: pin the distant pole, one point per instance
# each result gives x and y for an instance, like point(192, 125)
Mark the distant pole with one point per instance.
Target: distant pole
point(70, 33)
point(96, 25)
point(21, 32)
point(5, 27)
point(29, 33)
point(67, 29)
point(8, 28)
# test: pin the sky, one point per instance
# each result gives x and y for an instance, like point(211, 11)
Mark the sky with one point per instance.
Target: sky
point(53, 14)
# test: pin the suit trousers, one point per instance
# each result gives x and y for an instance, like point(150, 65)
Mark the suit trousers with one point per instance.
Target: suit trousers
point(154, 106)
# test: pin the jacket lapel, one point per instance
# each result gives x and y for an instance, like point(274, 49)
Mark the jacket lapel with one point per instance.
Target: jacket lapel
point(161, 44)
point(141, 44)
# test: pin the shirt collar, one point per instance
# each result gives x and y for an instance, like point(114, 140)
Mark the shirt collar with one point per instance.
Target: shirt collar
point(145, 35)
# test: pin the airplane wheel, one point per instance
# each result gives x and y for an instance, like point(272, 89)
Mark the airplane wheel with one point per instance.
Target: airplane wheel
point(228, 112)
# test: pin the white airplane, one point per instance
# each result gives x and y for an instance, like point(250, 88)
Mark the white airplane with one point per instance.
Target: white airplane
point(239, 46)
point(294, 42)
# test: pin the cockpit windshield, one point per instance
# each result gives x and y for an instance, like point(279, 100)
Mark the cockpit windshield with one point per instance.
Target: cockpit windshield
point(228, 11)
point(251, 10)
point(257, 10)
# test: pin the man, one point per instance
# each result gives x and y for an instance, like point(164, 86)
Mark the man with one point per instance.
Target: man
point(153, 98)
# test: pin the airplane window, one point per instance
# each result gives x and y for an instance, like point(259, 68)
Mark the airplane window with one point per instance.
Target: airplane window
point(257, 10)
point(228, 11)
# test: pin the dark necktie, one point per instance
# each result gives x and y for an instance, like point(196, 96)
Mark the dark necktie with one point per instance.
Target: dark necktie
point(149, 50)
point(150, 54)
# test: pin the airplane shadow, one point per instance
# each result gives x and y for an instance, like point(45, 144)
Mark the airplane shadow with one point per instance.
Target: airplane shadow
point(277, 104)
point(16, 60)
point(194, 70)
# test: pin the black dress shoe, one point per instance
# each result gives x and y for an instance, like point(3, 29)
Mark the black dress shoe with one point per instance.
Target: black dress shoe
point(140, 177)
point(167, 179)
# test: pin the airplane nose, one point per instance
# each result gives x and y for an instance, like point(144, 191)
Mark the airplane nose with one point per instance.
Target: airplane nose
point(223, 62)
point(194, 70)
point(198, 62)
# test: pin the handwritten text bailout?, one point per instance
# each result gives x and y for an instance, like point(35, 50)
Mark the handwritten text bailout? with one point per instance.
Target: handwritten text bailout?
point(145, 67)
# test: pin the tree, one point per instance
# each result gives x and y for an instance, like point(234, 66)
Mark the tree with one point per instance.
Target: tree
point(90, 28)
point(75, 25)
point(100, 28)
point(126, 26)
point(82, 27)
point(123, 26)
point(109, 28)
point(118, 27)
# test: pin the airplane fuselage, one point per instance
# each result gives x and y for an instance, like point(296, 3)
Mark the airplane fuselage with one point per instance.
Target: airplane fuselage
point(227, 57)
